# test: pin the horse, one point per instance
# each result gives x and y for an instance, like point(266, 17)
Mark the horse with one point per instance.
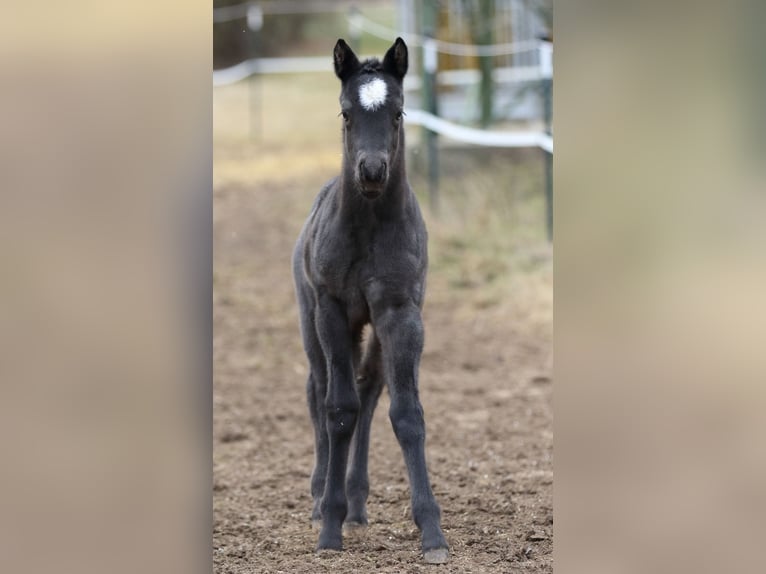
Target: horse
point(361, 258)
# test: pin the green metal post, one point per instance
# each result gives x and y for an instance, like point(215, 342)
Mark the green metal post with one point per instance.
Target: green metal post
point(254, 25)
point(548, 105)
point(484, 37)
point(546, 70)
point(429, 66)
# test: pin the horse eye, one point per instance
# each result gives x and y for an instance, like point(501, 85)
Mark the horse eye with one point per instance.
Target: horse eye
point(398, 115)
point(345, 115)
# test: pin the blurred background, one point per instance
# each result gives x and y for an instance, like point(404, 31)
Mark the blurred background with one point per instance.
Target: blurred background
point(479, 154)
point(479, 87)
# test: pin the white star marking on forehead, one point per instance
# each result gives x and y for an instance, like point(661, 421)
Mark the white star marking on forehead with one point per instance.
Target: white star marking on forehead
point(372, 95)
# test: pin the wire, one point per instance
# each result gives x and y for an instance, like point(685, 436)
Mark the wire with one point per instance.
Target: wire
point(359, 21)
point(237, 11)
point(453, 48)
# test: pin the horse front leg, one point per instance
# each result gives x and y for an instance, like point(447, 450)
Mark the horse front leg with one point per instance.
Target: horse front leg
point(401, 334)
point(316, 389)
point(341, 407)
point(369, 383)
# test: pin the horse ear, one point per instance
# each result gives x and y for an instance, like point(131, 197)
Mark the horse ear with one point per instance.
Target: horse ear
point(395, 60)
point(346, 62)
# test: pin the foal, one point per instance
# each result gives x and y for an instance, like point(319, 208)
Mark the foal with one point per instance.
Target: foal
point(361, 258)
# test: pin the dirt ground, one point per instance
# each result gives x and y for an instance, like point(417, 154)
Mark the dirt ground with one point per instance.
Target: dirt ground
point(485, 382)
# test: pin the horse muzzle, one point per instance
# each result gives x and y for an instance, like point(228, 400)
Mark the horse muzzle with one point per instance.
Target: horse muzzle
point(372, 174)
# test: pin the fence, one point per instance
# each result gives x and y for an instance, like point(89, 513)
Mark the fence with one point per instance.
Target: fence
point(534, 62)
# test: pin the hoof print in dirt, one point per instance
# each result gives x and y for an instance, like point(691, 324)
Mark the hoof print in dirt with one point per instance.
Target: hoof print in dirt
point(328, 552)
point(354, 527)
point(436, 556)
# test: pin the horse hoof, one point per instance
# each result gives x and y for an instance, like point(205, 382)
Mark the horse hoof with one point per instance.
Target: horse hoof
point(436, 556)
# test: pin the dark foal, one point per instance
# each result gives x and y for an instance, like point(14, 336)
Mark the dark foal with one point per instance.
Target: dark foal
point(361, 259)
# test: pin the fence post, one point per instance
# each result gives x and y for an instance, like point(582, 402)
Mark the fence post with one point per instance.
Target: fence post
point(546, 71)
point(486, 63)
point(429, 67)
point(254, 25)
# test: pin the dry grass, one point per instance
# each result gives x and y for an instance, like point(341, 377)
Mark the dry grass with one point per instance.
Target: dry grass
point(489, 239)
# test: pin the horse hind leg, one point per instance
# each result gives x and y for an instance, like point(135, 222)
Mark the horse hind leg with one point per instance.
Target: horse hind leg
point(369, 381)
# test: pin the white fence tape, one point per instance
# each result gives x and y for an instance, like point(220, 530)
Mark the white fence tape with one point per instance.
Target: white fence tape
point(476, 136)
point(247, 68)
point(324, 64)
point(413, 116)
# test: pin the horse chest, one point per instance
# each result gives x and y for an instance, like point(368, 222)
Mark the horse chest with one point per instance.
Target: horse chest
point(338, 261)
point(393, 270)
point(346, 265)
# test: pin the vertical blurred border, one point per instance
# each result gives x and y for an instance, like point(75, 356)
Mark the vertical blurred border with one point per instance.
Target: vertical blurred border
point(660, 273)
point(105, 283)
point(105, 326)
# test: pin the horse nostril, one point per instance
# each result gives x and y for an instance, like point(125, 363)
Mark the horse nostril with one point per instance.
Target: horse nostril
point(373, 170)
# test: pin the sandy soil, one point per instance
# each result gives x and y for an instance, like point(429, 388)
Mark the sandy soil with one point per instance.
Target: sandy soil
point(487, 394)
